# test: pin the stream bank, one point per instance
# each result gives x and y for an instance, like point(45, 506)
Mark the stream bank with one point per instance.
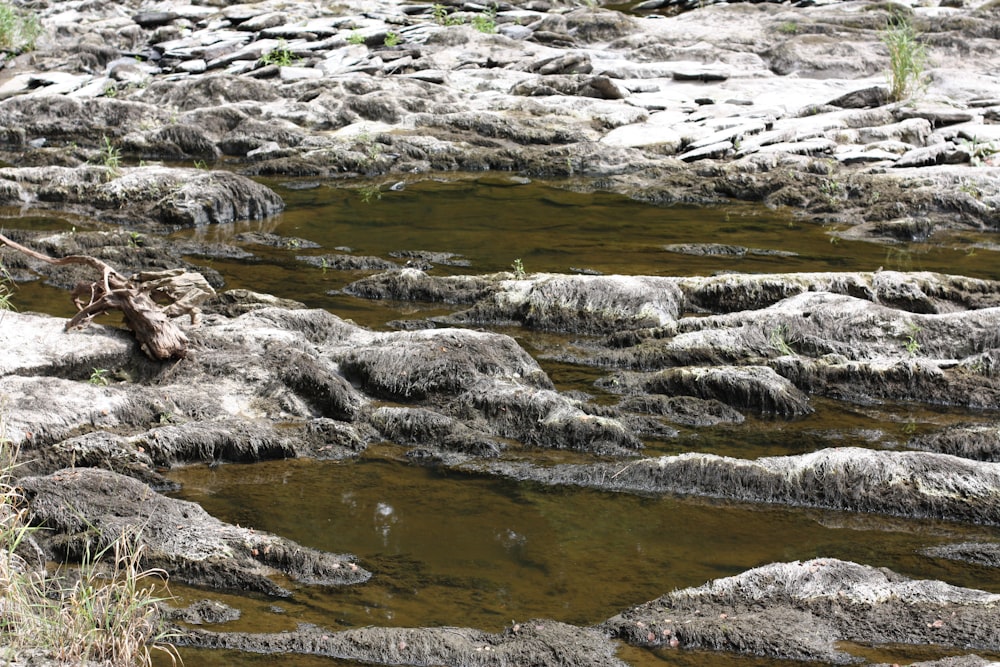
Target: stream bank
point(761, 102)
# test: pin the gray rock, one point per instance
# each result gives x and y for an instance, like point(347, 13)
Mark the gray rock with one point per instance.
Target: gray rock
point(945, 153)
point(803, 610)
point(717, 150)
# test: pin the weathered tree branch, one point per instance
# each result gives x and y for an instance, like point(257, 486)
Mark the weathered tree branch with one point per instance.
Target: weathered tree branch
point(158, 336)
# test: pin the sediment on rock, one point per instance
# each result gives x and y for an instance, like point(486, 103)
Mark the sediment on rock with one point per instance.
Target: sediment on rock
point(422, 365)
point(986, 554)
point(801, 610)
point(578, 304)
point(980, 442)
point(543, 418)
point(418, 426)
point(754, 388)
point(909, 484)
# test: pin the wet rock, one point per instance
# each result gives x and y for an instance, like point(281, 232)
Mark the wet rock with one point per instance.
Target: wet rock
point(204, 611)
point(431, 257)
point(590, 304)
point(719, 249)
point(759, 389)
point(980, 442)
point(684, 410)
point(978, 553)
point(416, 426)
point(544, 418)
point(340, 262)
point(178, 197)
point(801, 610)
point(912, 484)
point(275, 241)
point(87, 505)
point(415, 285)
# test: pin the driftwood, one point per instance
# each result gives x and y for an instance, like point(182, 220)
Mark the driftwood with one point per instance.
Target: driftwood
point(158, 336)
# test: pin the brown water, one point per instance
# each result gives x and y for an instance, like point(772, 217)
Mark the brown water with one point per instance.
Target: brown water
point(450, 549)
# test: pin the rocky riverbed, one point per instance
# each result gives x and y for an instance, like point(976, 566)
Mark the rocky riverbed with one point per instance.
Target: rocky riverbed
point(142, 118)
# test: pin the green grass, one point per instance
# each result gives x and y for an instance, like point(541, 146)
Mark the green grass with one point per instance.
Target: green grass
point(108, 613)
point(19, 30)
point(907, 60)
point(5, 292)
point(281, 55)
point(486, 22)
point(111, 158)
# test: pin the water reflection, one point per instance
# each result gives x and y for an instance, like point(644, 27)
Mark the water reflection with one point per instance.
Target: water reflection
point(454, 550)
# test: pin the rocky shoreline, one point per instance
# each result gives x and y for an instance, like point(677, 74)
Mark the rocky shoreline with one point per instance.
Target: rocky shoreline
point(763, 102)
point(154, 116)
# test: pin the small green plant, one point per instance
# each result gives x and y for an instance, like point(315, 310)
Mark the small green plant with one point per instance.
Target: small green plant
point(111, 157)
point(200, 164)
point(391, 39)
point(979, 152)
point(971, 189)
point(442, 16)
point(788, 28)
point(907, 59)
point(111, 91)
point(19, 30)
point(99, 377)
point(486, 22)
point(912, 345)
point(356, 38)
point(517, 266)
point(280, 55)
point(831, 188)
point(371, 148)
point(5, 292)
point(370, 193)
point(779, 340)
point(135, 240)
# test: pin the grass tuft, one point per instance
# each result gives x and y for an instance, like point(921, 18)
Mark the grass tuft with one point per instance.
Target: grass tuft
point(107, 612)
point(19, 30)
point(907, 59)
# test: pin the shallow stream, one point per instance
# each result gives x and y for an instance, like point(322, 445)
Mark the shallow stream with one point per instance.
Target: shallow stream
point(450, 549)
